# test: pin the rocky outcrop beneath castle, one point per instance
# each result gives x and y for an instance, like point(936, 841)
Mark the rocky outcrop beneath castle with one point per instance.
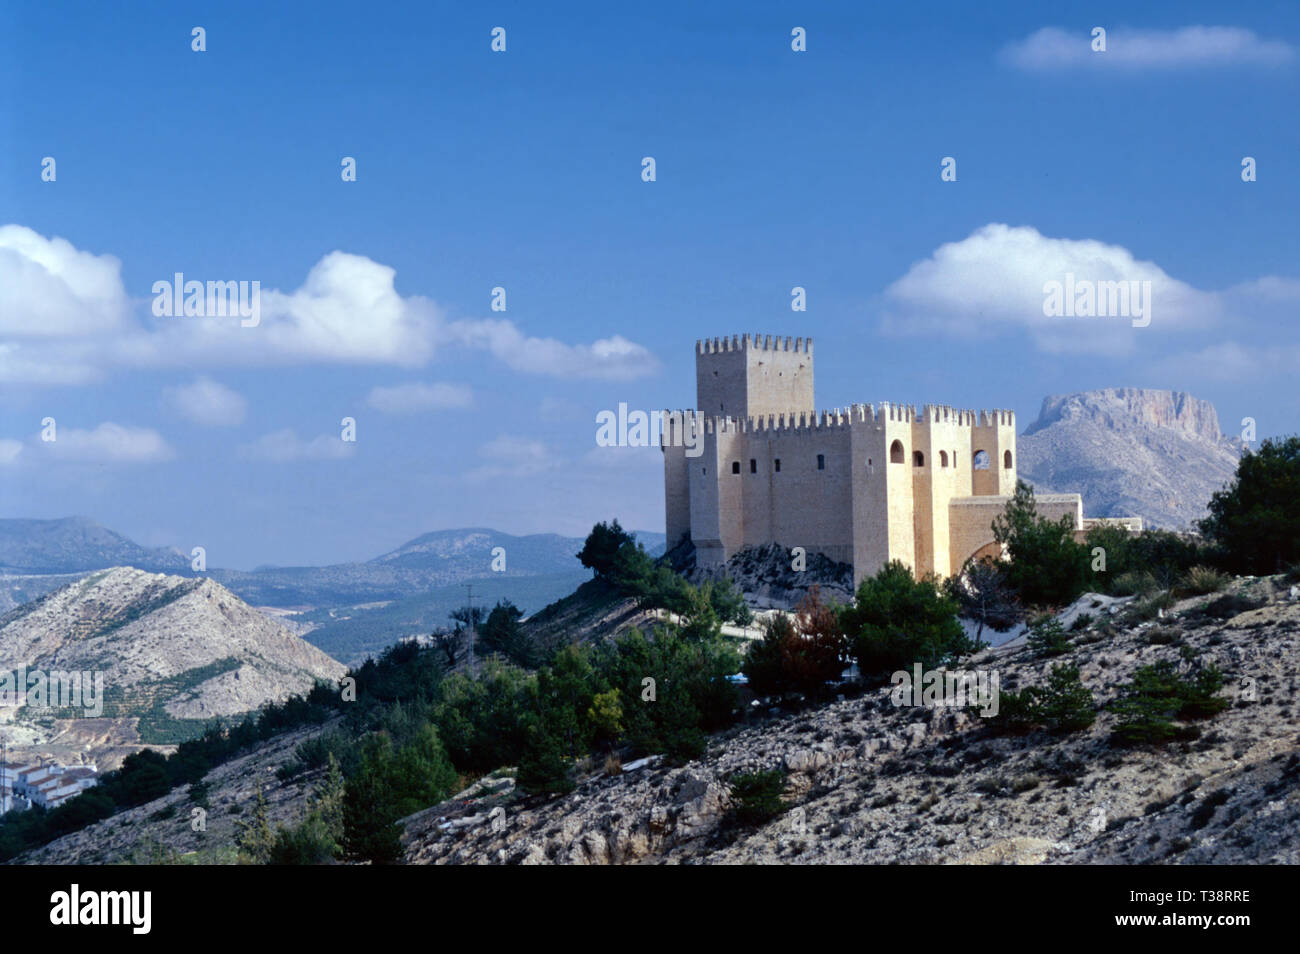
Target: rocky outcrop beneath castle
point(1158, 455)
point(767, 577)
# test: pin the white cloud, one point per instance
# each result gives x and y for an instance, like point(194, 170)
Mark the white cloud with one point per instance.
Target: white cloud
point(1054, 49)
point(993, 281)
point(511, 456)
point(208, 403)
point(1231, 361)
point(50, 289)
point(285, 446)
point(108, 443)
point(614, 358)
point(65, 318)
point(417, 396)
point(9, 451)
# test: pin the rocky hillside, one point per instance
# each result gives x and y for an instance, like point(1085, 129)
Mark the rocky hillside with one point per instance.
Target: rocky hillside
point(163, 830)
point(766, 576)
point(1158, 455)
point(872, 782)
point(189, 646)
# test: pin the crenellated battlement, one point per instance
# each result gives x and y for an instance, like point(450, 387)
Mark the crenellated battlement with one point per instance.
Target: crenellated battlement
point(753, 343)
point(876, 415)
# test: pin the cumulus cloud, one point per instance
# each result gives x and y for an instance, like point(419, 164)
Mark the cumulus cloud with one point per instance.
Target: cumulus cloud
point(208, 403)
point(50, 289)
point(417, 396)
point(1054, 49)
point(108, 443)
point(994, 281)
point(285, 446)
point(65, 318)
point(613, 358)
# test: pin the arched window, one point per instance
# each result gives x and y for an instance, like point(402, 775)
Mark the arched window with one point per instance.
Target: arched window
point(1006, 459)
point(735, 466)
point(918, 459)
point(821, 461)
point(981, 460)
point(896, 452)
point(943, 458)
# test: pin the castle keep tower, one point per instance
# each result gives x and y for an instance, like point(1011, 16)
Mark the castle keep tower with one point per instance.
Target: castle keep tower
point(744, 376)
point(862, 485)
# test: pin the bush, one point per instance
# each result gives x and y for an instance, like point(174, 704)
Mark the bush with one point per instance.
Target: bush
point(1062, 704)
point(1047, 567)
point(1141, 562)
point(1157, 695)
point(1133, 583)
point(1256, 520)
point(1151, 606)
point(1047, 637)
point(896, 621)
point(1200, 580)
point(756, 797)
point(799, 655)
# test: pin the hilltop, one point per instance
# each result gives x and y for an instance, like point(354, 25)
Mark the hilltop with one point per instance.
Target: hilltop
point(1154, 454)
point(174, 652)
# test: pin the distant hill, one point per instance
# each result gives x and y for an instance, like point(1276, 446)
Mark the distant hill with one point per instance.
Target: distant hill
point(78, 545)
point(350, 609)
point(171, 650)
point(1158, 455)
point(38, 555)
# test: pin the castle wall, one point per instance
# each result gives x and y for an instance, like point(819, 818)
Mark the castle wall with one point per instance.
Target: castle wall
point(871, 500)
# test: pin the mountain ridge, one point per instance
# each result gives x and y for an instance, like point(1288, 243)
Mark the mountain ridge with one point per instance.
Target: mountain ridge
point(1141, 452)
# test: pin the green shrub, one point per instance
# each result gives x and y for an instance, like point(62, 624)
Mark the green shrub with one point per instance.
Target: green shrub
point(756, 796)
point(1061, 705)
point(1200, 580)
point(1152, 606)
point(1157, 695)
point(1133, 583)
point(1256, 520)
point(1047, 637)
point(1047, 568)
point(896, 621)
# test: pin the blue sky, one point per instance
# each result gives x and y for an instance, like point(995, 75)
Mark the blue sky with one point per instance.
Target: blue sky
point(522, 169)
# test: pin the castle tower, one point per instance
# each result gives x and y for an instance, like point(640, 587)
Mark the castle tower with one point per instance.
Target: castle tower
point(748, 376)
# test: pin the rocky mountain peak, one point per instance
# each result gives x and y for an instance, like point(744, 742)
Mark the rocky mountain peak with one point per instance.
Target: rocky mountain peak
point(1123, 408)
point(1140, 452)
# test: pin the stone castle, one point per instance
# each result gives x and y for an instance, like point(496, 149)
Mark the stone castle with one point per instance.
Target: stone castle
point(756, 464)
